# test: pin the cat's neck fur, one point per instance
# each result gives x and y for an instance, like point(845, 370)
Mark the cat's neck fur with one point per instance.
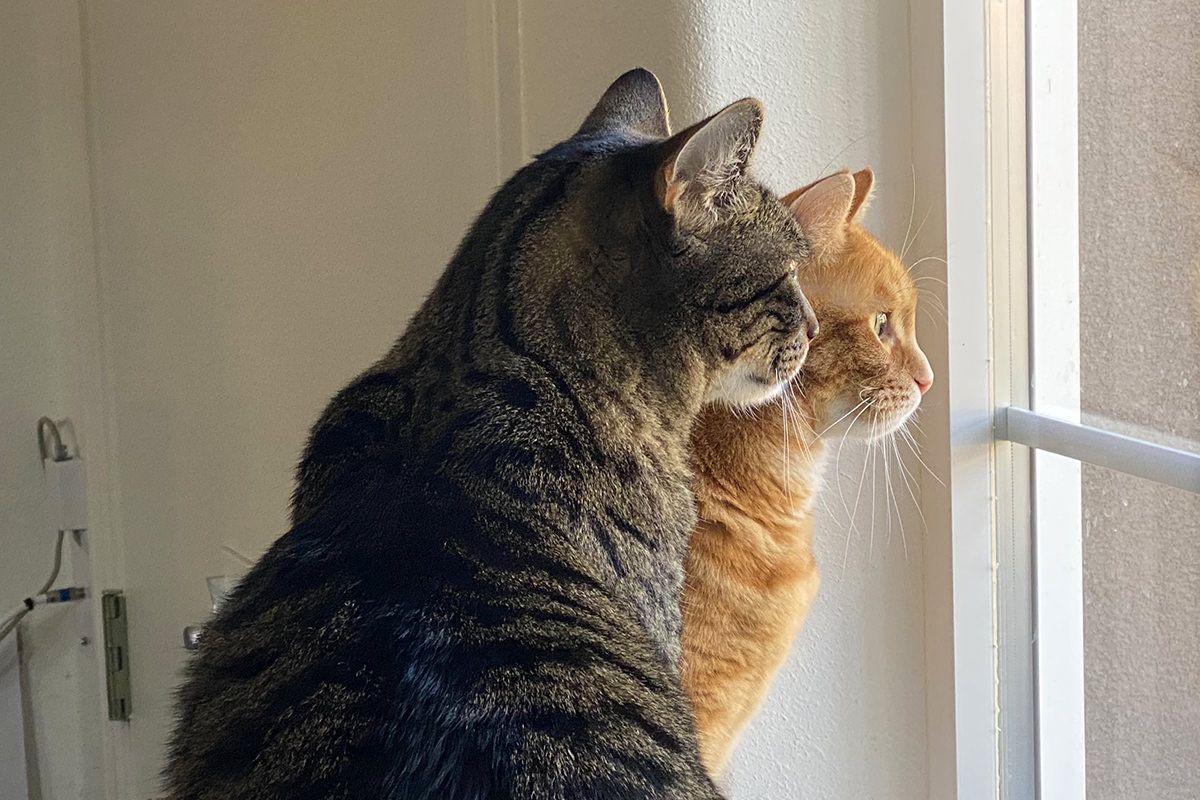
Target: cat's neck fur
point(513, 411)
point(614, 411)
point(751, 471)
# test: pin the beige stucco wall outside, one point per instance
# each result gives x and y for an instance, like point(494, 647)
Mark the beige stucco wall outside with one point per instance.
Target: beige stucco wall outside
point(1139, 127)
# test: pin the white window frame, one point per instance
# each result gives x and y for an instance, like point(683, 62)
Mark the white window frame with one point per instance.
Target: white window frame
point(1016, 443)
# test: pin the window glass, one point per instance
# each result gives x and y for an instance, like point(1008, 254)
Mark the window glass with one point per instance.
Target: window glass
point(1139, 292)
point(1139, 218)
point(1141, 588)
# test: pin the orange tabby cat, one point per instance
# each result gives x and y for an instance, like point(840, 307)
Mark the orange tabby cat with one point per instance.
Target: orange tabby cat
point(750, 572)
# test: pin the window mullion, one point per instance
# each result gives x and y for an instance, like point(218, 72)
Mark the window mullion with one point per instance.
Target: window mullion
point(1053, 186)
point(1139, 457)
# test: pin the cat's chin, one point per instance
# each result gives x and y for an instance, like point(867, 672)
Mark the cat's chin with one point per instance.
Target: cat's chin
point(741, 387)
point(885, 425)
point(866, 424)
point(882, 428)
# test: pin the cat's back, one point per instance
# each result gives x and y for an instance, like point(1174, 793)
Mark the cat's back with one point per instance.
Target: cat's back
point(375, 650)
point(293, 690)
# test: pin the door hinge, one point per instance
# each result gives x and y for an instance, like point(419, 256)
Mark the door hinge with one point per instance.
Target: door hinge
point(116, 654)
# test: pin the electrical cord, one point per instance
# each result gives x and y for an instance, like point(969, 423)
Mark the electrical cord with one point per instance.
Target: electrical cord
point(64, 595)
point(14, 618)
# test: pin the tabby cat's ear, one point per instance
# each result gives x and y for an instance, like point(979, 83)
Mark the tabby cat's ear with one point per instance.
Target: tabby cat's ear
point(864, 181)
point(823, 209)
point(635, 102)
point(702, 165)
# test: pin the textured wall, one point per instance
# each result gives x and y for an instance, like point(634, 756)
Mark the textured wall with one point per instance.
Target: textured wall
point(1139, 127)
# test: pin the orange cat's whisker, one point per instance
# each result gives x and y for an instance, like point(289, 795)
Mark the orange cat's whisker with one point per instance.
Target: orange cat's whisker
point(875, 473)
point(920, 261)
point(839, 419)
point(862, 479)
point(868, 459)
point(837, 467)
point(912, 208)
point(938, 304)
point(933, 319)
point(912, 445)
point(934, 278)
point(932, 297)
point(920, 227)
point(899, 513)
point(905, 474)
point(895, 503)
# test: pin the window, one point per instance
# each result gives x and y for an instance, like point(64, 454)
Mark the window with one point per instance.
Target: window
point(1074, 289)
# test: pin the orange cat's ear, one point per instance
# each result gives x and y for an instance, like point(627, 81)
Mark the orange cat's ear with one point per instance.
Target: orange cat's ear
point(864, 182)
point(823, 209)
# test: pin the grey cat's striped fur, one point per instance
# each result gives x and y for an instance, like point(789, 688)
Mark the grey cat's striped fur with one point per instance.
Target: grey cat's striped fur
point(480, 594)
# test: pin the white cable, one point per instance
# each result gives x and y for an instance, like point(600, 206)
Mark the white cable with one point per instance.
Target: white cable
point(15, 612)
point(14, 619)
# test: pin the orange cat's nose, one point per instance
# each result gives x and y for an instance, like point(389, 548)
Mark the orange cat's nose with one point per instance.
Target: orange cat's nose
point(921, 372)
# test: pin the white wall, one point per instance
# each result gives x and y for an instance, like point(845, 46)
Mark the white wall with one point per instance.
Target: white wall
point(274, 192)
point(49, 365)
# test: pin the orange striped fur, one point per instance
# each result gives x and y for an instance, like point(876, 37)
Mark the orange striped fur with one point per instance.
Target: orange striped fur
point(751, 575)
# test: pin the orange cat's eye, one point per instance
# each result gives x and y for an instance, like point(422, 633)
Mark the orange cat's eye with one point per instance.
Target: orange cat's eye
point(881, 320)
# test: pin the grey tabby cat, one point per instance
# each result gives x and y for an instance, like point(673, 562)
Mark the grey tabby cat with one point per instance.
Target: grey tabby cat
point(479, 598)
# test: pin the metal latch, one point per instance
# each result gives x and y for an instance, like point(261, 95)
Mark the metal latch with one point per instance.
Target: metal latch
point(116, 654)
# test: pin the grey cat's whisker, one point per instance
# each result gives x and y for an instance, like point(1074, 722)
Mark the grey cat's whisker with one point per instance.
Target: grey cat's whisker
point(798, 424)
point(787, 461)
